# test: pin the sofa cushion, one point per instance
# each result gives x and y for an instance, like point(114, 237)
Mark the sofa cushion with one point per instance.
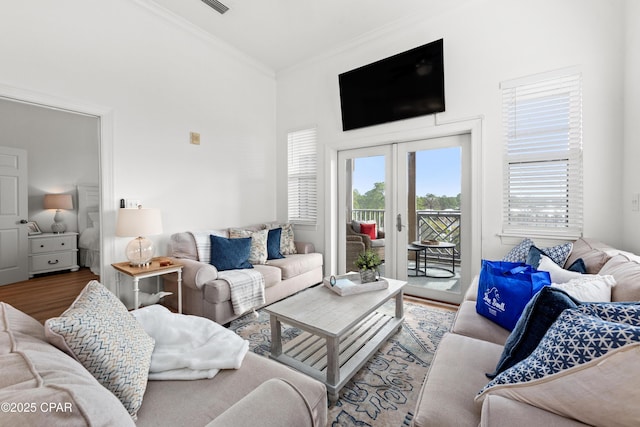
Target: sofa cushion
point(294, 265)
point(498, 411)
point(287, 237)
point(627, 275)
point(592, 253)
point(582, 357)
point(456, 374)
point(258, 251)
point(369, 230)
point(99, 332)
point(207, 399)
point(38, 376)
point(539, 314)
point(557, 273)
point(230, 254)
point(469, 323)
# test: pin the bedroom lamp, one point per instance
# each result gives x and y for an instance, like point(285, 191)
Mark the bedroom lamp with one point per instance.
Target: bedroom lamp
point(58, 202)
point(138, 222)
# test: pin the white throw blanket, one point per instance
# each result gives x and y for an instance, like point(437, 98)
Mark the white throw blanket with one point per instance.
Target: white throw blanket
point(247, 289)
point(189, 347)
point(246, 286)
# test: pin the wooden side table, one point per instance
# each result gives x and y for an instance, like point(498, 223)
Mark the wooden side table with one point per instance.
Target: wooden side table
point(152, 270)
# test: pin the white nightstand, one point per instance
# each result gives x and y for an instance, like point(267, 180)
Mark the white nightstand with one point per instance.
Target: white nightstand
point(53, 252)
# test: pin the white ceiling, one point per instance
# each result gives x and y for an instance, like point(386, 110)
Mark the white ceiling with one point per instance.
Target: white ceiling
point(282, 33)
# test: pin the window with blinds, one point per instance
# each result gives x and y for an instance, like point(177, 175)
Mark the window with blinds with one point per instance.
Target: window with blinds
point(302, 177)
point(542, 120)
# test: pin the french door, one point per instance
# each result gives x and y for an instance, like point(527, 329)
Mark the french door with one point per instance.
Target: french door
point(418, 194)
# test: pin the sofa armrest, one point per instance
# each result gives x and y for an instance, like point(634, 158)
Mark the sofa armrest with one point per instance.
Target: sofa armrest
point(498, 411)
point(195, 273)
point(273, 403)
point(305, 247)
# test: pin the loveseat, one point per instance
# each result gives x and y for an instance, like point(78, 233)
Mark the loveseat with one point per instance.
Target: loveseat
point(475, 344)
point(205, 294)
point(42, 385)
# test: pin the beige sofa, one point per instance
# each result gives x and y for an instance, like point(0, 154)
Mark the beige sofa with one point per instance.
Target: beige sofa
point(474, 346)
point(41, 385)
point(204, 294)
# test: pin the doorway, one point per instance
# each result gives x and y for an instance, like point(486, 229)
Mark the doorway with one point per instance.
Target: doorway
point(418, 193)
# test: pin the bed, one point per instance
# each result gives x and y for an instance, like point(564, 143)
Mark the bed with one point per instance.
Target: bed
point(89, 227)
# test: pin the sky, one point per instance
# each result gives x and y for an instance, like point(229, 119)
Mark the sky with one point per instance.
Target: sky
point(437, 172)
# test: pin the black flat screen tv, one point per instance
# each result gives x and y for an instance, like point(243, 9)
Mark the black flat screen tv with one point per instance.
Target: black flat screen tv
point(405, 85)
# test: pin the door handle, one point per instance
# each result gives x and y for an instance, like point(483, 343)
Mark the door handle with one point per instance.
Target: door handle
point(23, 221)
point(399, 224)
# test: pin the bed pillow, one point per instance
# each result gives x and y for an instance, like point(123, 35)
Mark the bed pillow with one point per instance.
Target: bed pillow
point(100, 333)
point(589, 288)
point(273, 243)
point(538, 315)
point(258, 250)
point(230, 254)
point(581, 358)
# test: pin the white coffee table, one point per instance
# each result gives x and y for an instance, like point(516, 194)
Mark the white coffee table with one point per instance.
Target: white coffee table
point(340, 332)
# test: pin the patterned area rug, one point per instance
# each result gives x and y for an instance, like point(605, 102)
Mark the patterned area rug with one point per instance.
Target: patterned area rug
point(385, 391)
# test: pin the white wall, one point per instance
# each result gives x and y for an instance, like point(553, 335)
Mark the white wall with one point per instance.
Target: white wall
point(62, 152)
point(161, 81)
point(486, 42)
point(631, 182)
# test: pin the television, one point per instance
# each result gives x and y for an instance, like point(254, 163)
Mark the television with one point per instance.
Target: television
point(409, 84)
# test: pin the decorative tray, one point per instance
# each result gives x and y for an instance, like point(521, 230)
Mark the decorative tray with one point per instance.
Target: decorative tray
point(350, 284)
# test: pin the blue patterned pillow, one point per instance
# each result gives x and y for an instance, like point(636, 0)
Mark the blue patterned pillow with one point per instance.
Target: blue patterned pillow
point(520, 253)
point(538, 315)
point(99, 332)
point(577, 337)
point(230, 254)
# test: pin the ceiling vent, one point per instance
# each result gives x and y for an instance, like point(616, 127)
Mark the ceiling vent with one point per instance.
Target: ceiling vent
point(216, 5)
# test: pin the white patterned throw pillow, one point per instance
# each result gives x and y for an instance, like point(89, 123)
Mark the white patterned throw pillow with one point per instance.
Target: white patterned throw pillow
point(99, 332)
point(258, 252)
point(558, 254)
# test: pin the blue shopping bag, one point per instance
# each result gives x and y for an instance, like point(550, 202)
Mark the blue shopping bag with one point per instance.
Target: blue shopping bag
point(504, 288)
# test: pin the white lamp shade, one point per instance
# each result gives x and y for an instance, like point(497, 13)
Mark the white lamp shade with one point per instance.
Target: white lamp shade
point(58, 201)
point(135, 222)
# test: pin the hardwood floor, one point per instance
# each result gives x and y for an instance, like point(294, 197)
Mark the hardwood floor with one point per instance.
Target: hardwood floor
point(47, 295)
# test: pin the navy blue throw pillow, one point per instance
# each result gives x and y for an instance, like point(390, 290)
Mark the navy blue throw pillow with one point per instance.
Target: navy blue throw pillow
point(230, 254)
point(273, 244)
point(578, 266)
point(538, 316)
point(533, 257)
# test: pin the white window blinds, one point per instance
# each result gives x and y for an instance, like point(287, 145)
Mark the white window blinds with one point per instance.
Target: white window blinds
point(543, 156)
point(302, 171)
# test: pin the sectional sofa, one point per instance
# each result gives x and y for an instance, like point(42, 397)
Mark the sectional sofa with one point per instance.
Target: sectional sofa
point(475, 344)
point(206, 294)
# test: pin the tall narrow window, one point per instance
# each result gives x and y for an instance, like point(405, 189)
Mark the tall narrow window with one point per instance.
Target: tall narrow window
point(302, 176)
point(542, 119)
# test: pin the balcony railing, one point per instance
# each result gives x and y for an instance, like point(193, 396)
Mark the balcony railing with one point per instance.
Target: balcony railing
point(443, 226)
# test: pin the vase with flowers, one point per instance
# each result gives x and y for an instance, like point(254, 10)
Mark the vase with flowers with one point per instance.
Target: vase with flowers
point(368, 263)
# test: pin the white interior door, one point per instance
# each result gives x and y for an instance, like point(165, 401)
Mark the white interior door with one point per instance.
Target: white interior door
point(13, 215)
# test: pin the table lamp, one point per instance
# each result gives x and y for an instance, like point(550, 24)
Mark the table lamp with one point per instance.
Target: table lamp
point(138, 222)
point(58, 202)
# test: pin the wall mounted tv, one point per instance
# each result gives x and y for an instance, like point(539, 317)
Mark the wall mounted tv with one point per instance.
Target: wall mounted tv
point(405, 85)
